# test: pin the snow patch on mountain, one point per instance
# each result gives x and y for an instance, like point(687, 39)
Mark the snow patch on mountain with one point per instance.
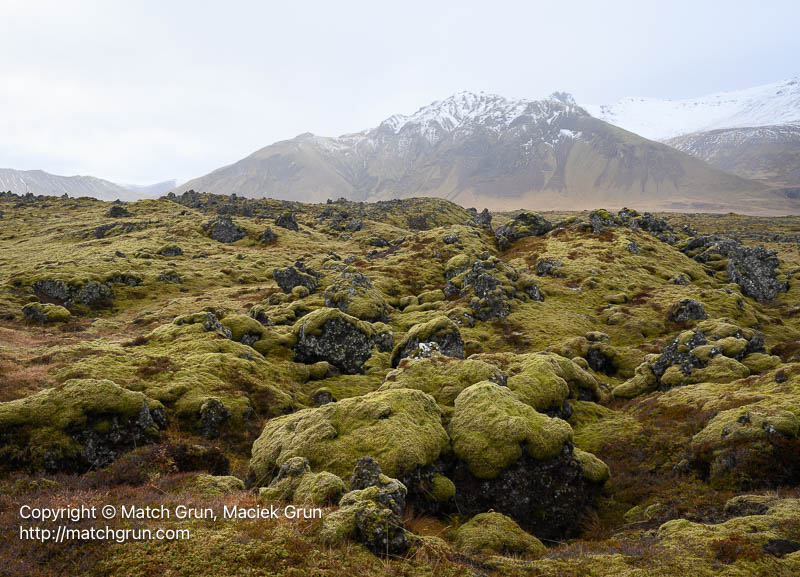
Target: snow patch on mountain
point(770, 104)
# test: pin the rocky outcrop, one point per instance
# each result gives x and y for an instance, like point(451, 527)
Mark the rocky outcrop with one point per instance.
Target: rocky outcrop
point(288, 221)
point(524, 224)
point(371, 513)
point(686, 310)
point(342, 340)
point(353, 293)
point(84, 423)
point(223, 229)
point(296, 275)
point(441, 331)
point(753, 269)
point(492, 282)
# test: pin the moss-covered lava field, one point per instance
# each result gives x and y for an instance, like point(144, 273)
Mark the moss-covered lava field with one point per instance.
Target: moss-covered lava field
point(458, 392)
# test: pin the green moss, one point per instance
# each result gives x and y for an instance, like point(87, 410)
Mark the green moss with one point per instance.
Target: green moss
point(642, 382)
point(494, 533)
point(430, 296)
point(593, 468)
point(41, 429)
point(241, 325)
point(491, 428)
point(749, 423)
point(440, 376)
point(442, 489)
point(435, 330)
point(760, 362)
point(320, 489)
point(210, 485)
point(545, 380)
point(401, 429)
point(46, 313)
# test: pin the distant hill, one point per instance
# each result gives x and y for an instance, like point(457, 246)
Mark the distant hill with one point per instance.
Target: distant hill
point(485, 150)
point(768, 153)
point(151, 190)
point(40, 182)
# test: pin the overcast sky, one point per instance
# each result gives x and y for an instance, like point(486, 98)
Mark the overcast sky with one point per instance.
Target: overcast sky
point(141, 91)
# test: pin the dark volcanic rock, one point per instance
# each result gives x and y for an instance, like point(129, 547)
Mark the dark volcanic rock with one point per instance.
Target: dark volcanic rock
point(330, 335)
point(296, 275)
point(483, 219)
point(118, 211)
point(223, 229)
point(547, 498)
point(753, 269)
point(686, 310)
point(212, 416)
point(288, 221)
point(379, 523)
point(91, 294)
point(548, 267)
point(268, 236)
point(367, 473)
point(442, 331)
point(601, 219)
point(525, 224)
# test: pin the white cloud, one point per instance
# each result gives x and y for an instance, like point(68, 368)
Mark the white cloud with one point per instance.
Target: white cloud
point(147, 91)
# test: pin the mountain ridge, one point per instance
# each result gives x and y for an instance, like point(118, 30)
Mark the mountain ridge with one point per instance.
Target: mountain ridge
point(484, 149)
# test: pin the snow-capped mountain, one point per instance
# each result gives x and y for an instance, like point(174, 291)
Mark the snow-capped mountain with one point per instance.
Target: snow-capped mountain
point(486, 150)
point(40, 182)
point(771, 104)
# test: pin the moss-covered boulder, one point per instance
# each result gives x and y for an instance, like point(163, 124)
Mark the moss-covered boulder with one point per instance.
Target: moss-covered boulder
point(716, 350)
point(400, 428)
point(80, 424)
point(524, 224)
point(519, 462)
point(496, 534)
point(342, 340)
point(322, 488)
point(441, 331)
point(491, 427)
point(749, 447)
point(46, 313)
point(353, 293)
point(212, 485)
point(297, 275)
point(545, 381)
point(440, 376)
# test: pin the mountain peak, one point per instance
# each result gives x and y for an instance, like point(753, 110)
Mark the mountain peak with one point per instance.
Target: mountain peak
point(466, 109)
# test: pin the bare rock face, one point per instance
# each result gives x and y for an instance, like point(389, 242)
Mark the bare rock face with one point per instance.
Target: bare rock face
point(223, 229)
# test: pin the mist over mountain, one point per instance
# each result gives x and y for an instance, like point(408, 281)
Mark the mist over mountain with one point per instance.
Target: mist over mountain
point(486, 150)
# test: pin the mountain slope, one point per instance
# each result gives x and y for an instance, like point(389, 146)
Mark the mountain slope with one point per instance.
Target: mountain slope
point(485, 150)
point(43, 183)
point(770, 104)
point(768, 153)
